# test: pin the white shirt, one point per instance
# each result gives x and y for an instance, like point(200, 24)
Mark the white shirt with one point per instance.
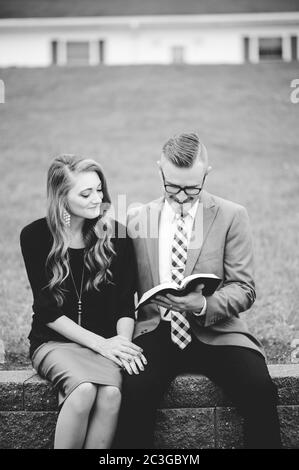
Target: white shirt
point(167, 227)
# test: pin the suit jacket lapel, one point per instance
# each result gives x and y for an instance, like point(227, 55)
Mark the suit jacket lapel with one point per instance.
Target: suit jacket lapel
point(204, 219)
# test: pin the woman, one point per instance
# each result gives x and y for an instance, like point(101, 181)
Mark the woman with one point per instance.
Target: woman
point(83, 281)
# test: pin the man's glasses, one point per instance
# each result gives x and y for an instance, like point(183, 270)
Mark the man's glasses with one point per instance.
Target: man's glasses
point(188, 190)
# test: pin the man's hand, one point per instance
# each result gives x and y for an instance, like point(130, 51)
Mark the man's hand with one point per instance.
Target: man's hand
point(192, 302)
point(135, 365)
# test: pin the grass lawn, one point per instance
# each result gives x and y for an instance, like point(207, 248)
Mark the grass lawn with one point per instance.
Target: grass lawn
point(122, 116)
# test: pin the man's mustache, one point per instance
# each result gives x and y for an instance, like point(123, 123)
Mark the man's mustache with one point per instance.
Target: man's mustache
point(181, 203)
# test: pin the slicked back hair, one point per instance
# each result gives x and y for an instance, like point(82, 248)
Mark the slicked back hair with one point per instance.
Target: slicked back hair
point(183, 149)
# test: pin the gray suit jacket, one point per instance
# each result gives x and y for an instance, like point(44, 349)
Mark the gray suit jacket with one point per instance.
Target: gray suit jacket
point(225, 250)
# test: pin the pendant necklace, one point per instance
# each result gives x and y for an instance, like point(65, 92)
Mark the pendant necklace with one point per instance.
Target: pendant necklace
point(79, 296)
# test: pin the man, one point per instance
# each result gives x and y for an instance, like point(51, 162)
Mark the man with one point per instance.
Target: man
point(195, 233)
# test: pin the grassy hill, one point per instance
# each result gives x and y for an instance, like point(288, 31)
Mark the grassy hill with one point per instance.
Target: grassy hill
point(122, 116)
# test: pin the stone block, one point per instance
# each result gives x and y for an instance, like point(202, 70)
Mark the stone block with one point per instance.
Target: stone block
point(289, 424)
point(229, 429)
point(194, 414)
point(11, 389)
point(202, 393)
point(286, 378)
point(23, 430)
point(39, 395)
point(187, 428)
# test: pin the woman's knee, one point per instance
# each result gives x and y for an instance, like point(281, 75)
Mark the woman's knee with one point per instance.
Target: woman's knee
point(82, 398)
point(109, 398)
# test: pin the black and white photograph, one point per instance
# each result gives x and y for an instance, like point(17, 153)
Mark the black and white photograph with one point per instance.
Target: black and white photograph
point(149, 259)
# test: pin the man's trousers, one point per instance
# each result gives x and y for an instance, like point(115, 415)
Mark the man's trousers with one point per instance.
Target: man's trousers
point(241, 373)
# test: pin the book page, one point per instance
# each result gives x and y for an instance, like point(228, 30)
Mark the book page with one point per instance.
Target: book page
point(152, 292)
point(198, 276)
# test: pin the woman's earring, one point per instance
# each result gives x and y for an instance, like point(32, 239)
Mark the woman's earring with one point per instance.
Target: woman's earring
point(67, 218)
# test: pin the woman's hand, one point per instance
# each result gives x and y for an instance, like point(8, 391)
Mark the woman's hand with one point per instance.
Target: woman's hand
point(135, 364)
point(117, 348)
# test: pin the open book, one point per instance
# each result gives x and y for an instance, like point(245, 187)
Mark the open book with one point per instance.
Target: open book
point(189, 283)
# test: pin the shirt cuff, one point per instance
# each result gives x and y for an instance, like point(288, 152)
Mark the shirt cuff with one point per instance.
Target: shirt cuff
point(203, 310)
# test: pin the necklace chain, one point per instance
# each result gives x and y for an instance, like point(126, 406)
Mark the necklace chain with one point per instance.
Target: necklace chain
point(81, 288)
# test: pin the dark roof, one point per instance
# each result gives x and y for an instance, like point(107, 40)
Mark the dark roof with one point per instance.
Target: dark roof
point(77, 8)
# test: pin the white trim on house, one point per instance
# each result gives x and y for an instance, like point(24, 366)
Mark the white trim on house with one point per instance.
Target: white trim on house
point(286, 48)
point(254, 49)
point(61, 52)
point(136, 21)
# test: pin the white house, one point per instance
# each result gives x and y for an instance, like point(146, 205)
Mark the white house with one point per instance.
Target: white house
point(39, 33)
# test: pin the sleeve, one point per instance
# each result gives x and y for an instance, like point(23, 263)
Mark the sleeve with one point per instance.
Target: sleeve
point(203, 310)
point(44, 304)
point(238, 291)
point(126, 280)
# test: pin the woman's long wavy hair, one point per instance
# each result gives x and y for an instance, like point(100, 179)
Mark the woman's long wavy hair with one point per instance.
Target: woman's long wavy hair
point(97, 232)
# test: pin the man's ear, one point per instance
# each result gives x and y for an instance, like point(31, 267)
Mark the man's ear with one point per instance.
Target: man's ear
point(160, 169)
point(208, 170)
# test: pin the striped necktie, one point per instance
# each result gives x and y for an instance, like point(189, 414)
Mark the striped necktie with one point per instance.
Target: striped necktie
point(180, 327)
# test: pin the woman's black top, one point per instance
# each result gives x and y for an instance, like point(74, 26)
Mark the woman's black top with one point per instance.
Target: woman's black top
point(100, 309)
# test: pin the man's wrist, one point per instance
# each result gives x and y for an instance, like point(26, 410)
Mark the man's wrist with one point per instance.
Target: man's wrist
point(203, 309)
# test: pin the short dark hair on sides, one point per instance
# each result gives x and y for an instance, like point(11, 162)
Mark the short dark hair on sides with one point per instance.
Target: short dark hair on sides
point(182, 149)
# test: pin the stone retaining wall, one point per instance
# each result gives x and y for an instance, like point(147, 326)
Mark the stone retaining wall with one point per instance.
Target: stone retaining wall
point(194, 413)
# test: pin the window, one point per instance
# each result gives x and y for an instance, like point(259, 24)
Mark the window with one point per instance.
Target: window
point(294, 47)
point(177, 54)
point(54, 52)
point(270, 48)
point(101, 52)
point(77, 53)
point(246, 49)
point(81, 53)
